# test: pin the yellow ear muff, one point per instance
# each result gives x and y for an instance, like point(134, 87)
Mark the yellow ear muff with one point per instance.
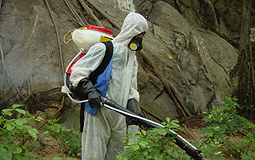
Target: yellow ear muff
point(133, 46)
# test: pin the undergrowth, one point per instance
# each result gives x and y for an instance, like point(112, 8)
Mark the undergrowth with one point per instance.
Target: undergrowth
point(18, 139)
point(68, 140)
point(153, 144)
point(219, 138)
point(223, 126)
point(218, 141)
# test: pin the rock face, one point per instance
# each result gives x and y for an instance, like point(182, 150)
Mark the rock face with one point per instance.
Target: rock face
point(200, 64)
point(193, 58)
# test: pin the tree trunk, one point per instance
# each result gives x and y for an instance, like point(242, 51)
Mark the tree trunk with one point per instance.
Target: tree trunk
point(245, 71)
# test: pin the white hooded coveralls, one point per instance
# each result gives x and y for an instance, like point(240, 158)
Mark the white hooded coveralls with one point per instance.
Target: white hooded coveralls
point(103, 133)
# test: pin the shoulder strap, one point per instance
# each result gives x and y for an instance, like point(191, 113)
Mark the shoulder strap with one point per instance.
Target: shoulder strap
point(93, 76)
point(107, 58)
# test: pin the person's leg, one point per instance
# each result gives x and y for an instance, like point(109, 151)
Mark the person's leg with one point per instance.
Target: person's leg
point(118, 131)
point(95, 136)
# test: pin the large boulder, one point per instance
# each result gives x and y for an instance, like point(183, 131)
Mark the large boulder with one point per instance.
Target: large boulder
point(32, 70)
point(196, 62)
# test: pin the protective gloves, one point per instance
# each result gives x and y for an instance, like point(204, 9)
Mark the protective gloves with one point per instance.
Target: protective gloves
point(132, 105)
point(86, 89)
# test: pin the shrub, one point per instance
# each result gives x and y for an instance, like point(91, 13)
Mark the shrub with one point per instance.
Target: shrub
point(153, 145)
point(223, 124)
point(17, 138)
point(69, 141)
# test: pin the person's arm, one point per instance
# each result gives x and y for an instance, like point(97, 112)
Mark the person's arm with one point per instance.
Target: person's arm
point(133, 93)
point(88, 63)
point(83, 87)
point(133, 98)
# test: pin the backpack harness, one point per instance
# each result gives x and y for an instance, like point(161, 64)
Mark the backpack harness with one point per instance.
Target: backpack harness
point(99, 77)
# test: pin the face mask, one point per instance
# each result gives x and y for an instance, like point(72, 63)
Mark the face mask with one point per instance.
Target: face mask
point(135, 44)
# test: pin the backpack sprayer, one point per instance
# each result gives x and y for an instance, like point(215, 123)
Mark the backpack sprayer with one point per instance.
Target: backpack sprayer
point(86, 37)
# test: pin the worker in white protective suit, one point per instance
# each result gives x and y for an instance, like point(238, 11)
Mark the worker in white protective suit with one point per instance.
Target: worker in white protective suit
point(103, 132)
